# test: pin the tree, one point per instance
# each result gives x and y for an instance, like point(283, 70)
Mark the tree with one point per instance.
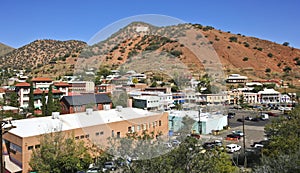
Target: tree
point(187, 157)
point(14, 99)
point(31, 99)
point(44, 106)
point(50, 104)
point(135, 80)
point(281, 154)
point(59, 154)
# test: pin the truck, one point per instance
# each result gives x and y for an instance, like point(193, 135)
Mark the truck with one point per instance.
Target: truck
point(264, 116)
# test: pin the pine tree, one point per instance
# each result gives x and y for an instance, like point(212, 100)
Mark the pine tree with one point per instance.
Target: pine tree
point(44, 104)
point(31, 99)
point(50, 103)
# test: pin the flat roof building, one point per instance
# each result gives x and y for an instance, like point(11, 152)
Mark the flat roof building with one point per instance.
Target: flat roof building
point(93, 126)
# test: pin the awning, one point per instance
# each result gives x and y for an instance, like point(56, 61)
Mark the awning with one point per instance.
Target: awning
point(10, 166)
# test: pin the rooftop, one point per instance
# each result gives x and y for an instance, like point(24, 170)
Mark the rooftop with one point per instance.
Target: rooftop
point(37, 126)
point(41, 79)
point(22, 84)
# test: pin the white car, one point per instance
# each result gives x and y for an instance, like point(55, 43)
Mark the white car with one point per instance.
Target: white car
point(231, 148)
point(238, 132)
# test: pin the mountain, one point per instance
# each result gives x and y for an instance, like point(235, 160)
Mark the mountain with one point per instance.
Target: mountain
point(144, 47)
point(44, 57)
point(4, 49)
point(195, 46)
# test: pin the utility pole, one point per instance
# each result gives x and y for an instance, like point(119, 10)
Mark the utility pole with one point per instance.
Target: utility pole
point(244, 142)
point(199, 122)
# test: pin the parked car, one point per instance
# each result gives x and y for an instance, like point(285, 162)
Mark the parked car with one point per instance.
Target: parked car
point(272, 114)
point(231, 115)
point(93, 170)
point(176, 142)
point(259, 144)
point(238, 132)
point(240, 120)
point(211, 145)
point(234, 136)
point(231, 148)
point(264, 116)
point(109, 166)
point(197, 136)
point(248, 118)
point(255, 119)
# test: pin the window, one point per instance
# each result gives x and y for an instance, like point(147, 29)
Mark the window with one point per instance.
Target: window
point(112, 133)
point(87, 136)
point(132, 128)
point(101, 133)
point(144, 126)
point(97, 133)
point(77, 137)
point(118, 134)
point(129, 129)
point(82, 136)
point(30, 147)
point(138, 128)
point(37, 146)
point(159, 122)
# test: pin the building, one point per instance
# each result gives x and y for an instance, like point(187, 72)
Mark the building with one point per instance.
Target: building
point(23, 90)
point(250, 98)
point(105, 88)
point(146, 102)
point(209, 121)
point(79, 103)
point(91, 126)
point(63, 87)
point(81, 86)
point(41, 82)
point(236, 78)
point(215, 99)
point(269, 97)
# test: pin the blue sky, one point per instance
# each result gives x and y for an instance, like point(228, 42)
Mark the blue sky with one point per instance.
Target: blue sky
point(23, 21)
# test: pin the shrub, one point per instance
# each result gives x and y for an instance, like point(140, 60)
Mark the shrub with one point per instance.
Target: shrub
point(176, 53)
point(228, 47)
point(260, 49)
point(298, 62)
point(245, 59)
point(270, 55)
point(287, 69)
point(279, 64)
point(120, 58)
point(268, 70)
point(285, 43)
point(246, 44)
point(233, 39)
point(296, 59)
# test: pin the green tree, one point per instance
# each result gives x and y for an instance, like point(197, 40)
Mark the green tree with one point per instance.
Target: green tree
point(14, 99)
point(281, 154)
point(31, 99)
point(135, 80)
point(44, 106)
point(50, 102)
point(59, 154)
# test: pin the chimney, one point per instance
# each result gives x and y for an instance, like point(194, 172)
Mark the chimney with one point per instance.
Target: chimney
point(119, 108)
point(89, 111)
point(55, 115)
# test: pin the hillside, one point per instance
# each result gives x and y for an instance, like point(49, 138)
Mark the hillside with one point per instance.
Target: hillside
point(202, 49)
point(256, 58)
point(4, 49)
point(44, 57)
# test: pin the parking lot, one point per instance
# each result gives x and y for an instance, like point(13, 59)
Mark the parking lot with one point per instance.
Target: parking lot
point(254, 130)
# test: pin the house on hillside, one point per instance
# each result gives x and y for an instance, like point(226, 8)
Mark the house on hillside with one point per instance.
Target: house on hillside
point(79, 103)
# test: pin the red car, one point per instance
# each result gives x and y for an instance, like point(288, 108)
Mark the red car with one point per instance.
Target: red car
point(272, 114)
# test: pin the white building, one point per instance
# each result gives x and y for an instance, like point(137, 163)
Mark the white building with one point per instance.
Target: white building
point(146, 102)
point(269, 97)
point(236, 78)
